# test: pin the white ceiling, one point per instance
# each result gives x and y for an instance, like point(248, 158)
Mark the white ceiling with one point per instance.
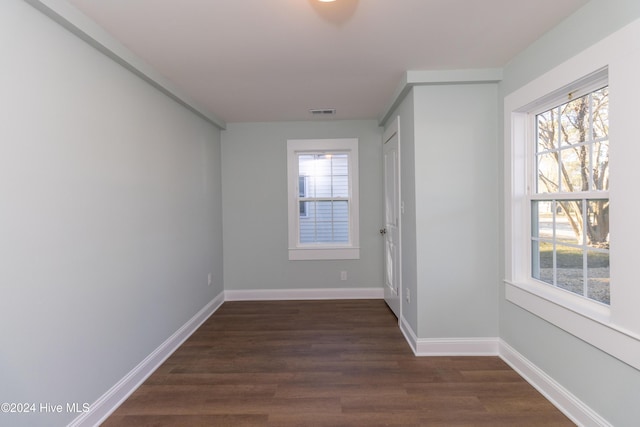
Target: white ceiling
point(273, 60)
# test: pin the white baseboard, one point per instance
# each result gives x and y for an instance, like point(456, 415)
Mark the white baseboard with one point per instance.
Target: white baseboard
point(116, 395)
point(474, 346)
point(303, 294)
point(409, 334)
point(576, 410)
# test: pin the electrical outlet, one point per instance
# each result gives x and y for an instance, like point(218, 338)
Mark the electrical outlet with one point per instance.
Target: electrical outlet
point(408, 295)
point(343, 275)
point(209, 279)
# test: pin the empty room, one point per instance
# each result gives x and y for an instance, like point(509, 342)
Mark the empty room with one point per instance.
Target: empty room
point(319, 213)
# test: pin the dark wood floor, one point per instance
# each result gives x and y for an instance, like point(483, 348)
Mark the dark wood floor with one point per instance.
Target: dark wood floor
point(325, 363)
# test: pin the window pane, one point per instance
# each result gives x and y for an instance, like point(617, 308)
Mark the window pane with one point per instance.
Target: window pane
point(323, 212)
point(341, 211)
point(305, 164)
point(317, 171)
point(322, 165)
point(548, 173)
point(341, 232)
point(542, 261)
point(598, 223)
point(547, 130)
point(322, 186)
point(307, 224)
point(340, 164)
point(569, 272)
point(575, 169)
point(601, 165)
point(574, 119)
point(324, 232)
point(598, 276)
point(340, 186)
point(542, 219)
point(569, 221)
point(340, 175)
point(326, 222)
point(600, 107)
point(341, 221)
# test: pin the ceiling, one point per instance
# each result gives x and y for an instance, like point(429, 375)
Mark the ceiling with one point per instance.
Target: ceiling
point(273, 60)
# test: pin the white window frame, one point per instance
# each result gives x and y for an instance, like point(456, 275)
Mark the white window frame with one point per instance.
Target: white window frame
point(577, 89)
point(614, 329)
point(322, 251)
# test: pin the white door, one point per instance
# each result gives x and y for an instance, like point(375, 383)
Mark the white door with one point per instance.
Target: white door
point(391, 229)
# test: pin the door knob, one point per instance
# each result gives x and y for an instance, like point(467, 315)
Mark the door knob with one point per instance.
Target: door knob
point(383, 231)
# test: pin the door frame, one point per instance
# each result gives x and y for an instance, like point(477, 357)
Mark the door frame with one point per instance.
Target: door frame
point(393, 129)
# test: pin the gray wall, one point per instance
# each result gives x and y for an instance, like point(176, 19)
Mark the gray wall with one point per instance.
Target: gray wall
point(607, 385)
point(254, 174)
point(450, 229)
point(110, 217)
point(456, 187)
point(406, 112)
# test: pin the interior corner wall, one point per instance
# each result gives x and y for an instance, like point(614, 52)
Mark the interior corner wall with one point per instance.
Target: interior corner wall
point(110, 217)
point(254, 174)
point(604, 383)
point(457, 192)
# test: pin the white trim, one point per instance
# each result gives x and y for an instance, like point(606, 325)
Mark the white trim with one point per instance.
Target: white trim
point(438, 77)
point(85, 29)
point(314, 254)
point(471, 346)
point(303, 294)
point(577, 411)
point(106, 404)
point(409, 334)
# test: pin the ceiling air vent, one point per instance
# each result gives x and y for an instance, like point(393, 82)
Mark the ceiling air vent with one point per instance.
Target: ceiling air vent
point(323, 111)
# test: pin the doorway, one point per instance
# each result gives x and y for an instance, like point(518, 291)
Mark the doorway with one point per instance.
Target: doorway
point(391, 229)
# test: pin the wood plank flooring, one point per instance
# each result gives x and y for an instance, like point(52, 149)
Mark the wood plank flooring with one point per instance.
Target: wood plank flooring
point(325, 363)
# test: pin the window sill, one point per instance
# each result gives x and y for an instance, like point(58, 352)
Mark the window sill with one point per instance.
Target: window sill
point(333, 253)
point(591, 324)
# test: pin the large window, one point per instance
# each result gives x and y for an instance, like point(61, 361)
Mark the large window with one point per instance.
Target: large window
point(323, 199)
point(561, 262)
point(569, 200)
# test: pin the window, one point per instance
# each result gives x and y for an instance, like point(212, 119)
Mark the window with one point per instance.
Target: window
point(569, 201)
point(323, 199)
point(559, 206)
